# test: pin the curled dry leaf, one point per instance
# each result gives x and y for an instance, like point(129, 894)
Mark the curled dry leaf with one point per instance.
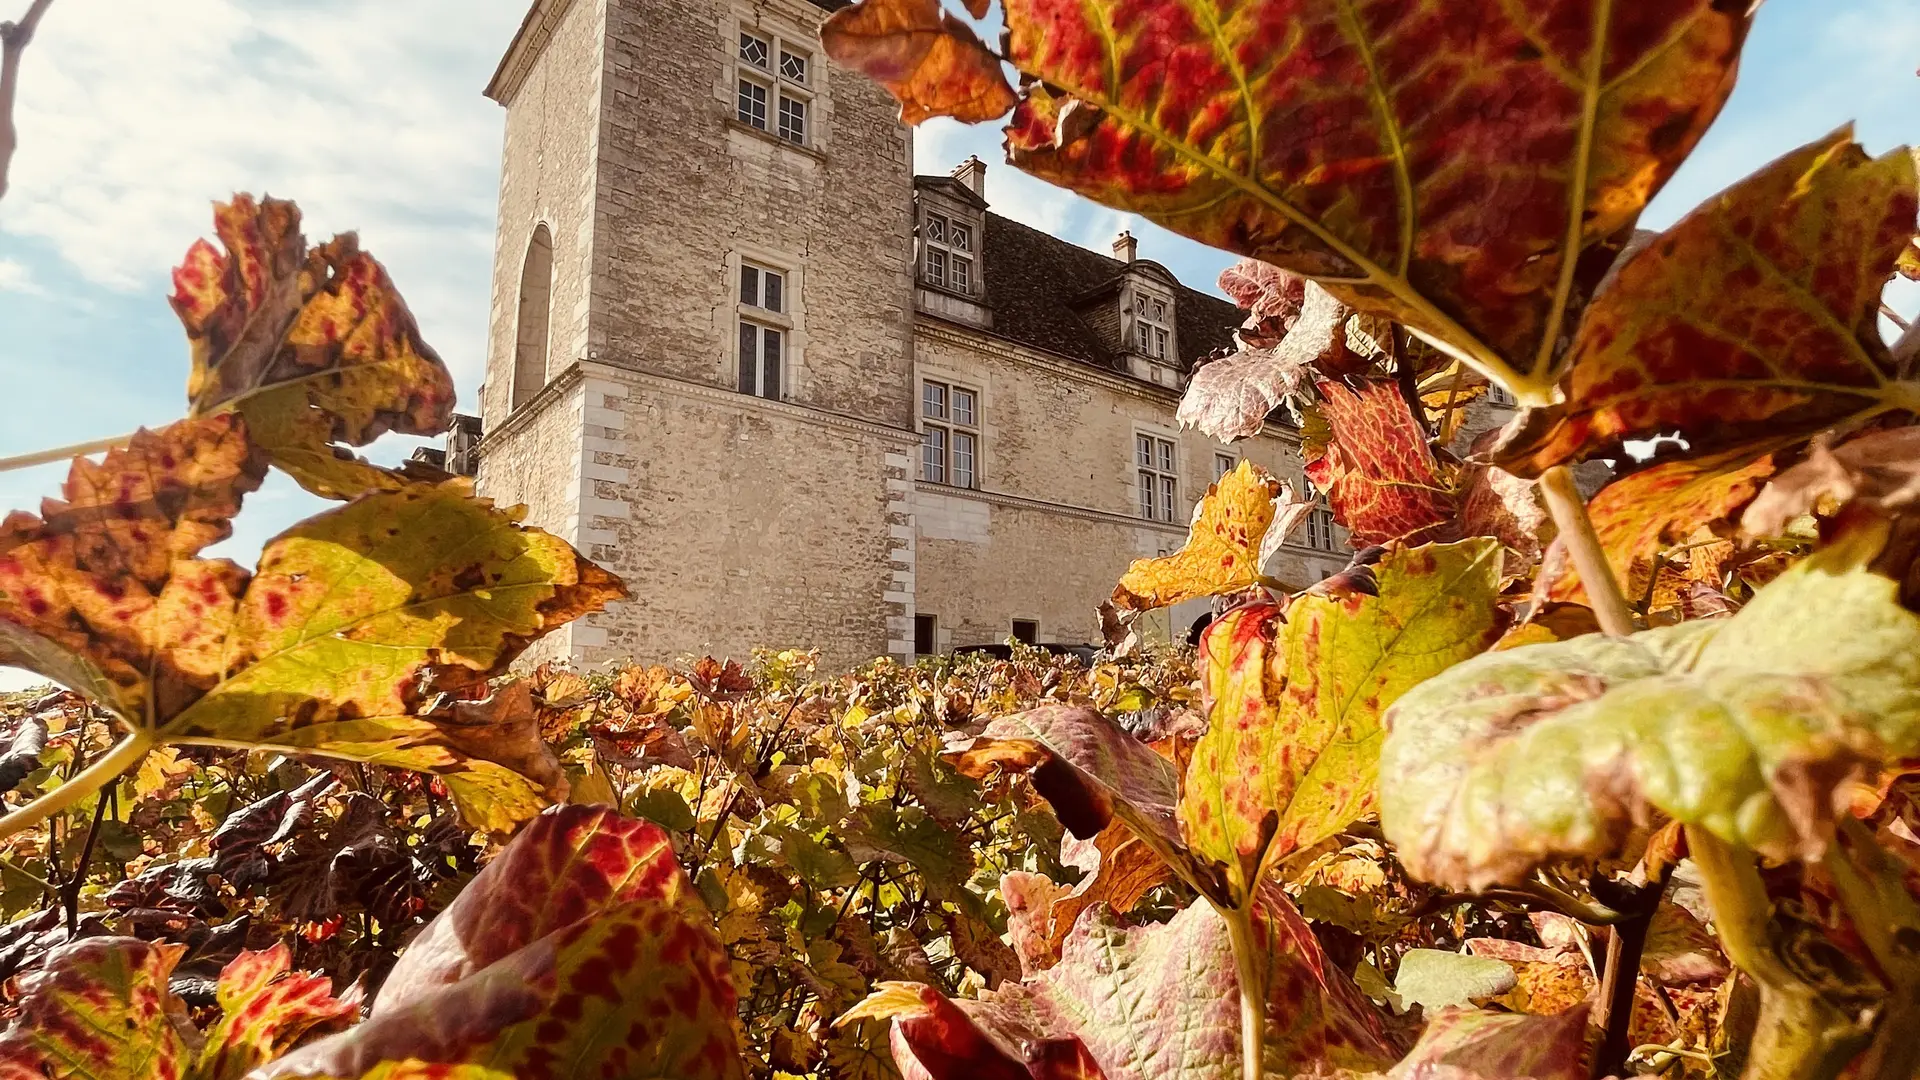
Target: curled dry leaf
point(1230, 398)
point(581, 950)
point(1756, 317)
point(1294, 703)
point(1142, 1003)
point(1242, 519)
point(1379, 152)
point(1880, 470)
point(322, 650)
point(1524, 756)
point(1119, 870)
point(313, 345)
point(1373, 462)
point(1272, 298)
point(932, 62)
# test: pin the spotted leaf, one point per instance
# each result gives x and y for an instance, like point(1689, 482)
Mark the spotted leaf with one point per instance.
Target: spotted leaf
point(932, 62)
point(1375, 466)
point(1467, 170)
point(581, 951)
point(1242, 518)
point(99, 1009)
point(266, 1008)
point(306, 341)
point(1755, 317)
point(1736, 725)
point(1294, 702)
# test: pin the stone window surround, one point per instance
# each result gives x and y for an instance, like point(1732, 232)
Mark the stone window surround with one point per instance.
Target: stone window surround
point(781, 30)
point(516, 399)
point(1318, 532)
point(791, 322)
point(983, 421)
point(952, 428)
point(949, 252)
point(954, 212)
point(1159, 433)
point(1229, 457)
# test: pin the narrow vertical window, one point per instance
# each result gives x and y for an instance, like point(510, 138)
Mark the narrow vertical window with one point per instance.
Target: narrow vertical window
point(1153, 328)
point(530, 332)
point(1026, 631)
point(947, 259)
point(762, 346)
point(1154, 459)
point(1223, 464)
point(925, 635)
point(950, 434)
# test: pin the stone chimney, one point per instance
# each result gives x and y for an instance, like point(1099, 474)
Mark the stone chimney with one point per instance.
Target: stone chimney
point(973, 173)
point(1125, 246)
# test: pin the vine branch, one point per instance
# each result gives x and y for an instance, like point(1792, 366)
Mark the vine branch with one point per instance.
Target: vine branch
point(13, 42)
point(102, 772)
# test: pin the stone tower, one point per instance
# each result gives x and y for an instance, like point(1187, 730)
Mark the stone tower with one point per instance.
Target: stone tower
point(699, 369)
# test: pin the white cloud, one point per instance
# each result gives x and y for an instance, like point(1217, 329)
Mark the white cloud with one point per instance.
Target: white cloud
point(134, 115)
point(16, 277)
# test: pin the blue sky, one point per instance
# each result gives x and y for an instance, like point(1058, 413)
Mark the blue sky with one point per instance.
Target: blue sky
point(134, 114)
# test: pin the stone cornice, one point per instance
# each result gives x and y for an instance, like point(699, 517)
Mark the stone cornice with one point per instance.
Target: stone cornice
point(528, 42)
point(992, 344)
point(581, 370)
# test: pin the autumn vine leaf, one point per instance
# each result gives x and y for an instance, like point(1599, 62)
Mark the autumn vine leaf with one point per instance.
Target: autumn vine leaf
point(1291, 753)
point(932, 62)
point(314, 346)
point(1231, 397)
point(1369, 455)
point(1756, 317)
point(582, 950)
point(1334, 144)
point(98, 1009)
point(1144, 1003)
point(265, 1009)
point(1472, 1044)
point(1242, 519)
point(323, 650)
point(1879, 470)
point(1735, 725)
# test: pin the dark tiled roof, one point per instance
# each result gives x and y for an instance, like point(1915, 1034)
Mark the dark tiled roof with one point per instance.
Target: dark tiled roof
point(1042, 290)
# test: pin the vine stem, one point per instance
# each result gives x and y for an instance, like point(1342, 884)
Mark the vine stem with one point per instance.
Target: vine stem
point(105, 770)
point(1569, 512)
point(1249, 965)
point(1799, 1035)
point(62, 453)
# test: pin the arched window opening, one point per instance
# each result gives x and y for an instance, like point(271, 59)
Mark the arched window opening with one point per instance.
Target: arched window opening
point(530, 342)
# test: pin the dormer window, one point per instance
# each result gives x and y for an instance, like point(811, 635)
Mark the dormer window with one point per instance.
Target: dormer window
point(947, 257)
point(1152, 327)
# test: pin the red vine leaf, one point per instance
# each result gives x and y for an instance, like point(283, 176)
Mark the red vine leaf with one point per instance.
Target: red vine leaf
point(1756, 317)
point(1473, 1044)
point(1375, 466)
point(99, 1009)
point(582, 950)
point(932, 62)
point(265, 1009)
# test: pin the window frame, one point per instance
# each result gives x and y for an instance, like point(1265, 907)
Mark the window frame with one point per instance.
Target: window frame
point(1318, 534)
point(951, 255)
point(1222, 457)
point(943, 432)
point(1033, 630)
point(765, 315)
point(1161, 343)
point(931, 624)
point(1156, 469)
point(777, 88)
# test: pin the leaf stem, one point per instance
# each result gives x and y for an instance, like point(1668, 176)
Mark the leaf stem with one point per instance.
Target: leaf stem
point(1614, 1009)
point(62, 453)
point(1249, 963)
point(1569, 512)
point(102, 772)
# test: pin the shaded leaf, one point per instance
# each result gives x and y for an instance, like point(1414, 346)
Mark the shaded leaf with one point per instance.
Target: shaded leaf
point(1467, 172)
point(1230, 398)
point(1471, 1044)
point(1119, 869)
point(1375, 466)
point(1272, 298)
point(1880, 470)
point(99, 1009)
point(1148, 1002)
point(307, 342)
point(20, 754)
point(1756, 317)
point(1292, 749)
point(932, 62)
point(582, 950)
point(1547, 751)
point(1242, 518)
point(1435, 979)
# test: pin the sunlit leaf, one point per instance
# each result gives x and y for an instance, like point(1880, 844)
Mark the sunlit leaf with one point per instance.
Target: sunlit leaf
point(582, 950)
point(309, 342)
point(1230, 398)
point(1472, 1044)
point(1467, 172)
point(99, 1009)
point(1737, 725)
point(265, 1008)
point(1119, 869)
point(1244, 516)
point(932, 62)
point(1755, 317)
point(1435, 979)
point(1374, 465)
point(1294, 702)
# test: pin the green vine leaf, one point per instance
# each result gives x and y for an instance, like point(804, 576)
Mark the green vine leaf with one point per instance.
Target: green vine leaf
point(1551, 751)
